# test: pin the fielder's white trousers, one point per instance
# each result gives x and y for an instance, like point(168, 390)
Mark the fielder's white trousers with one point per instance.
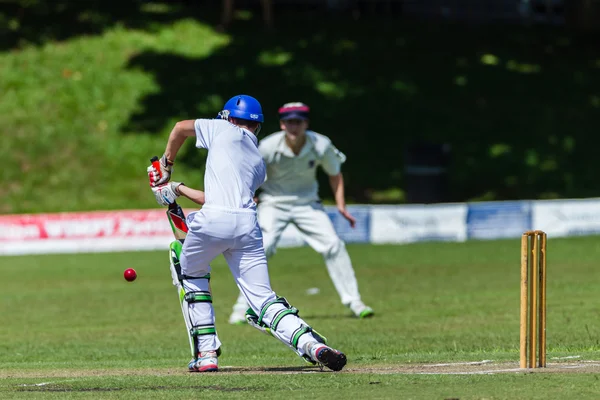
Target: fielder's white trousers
point(318, 232)
point(235, 234)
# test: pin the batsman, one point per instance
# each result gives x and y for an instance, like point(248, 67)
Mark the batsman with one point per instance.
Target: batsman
point(290, 196)
point(227, 224)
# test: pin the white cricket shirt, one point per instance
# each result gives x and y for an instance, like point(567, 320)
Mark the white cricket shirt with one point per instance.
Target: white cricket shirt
point(293, 178)
point(234, 167)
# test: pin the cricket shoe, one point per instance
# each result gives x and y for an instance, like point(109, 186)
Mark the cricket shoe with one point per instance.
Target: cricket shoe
point(238, 317)
point(326, 356)
point(207, 361)
point(360, 310)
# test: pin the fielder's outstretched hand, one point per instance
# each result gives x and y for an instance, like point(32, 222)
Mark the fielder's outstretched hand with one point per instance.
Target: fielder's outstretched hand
point(348, 216)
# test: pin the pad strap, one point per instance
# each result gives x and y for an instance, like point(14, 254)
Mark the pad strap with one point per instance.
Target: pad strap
point(198, 297)
point(189, 277)
point(282, 313)
point(201, 330)
point(279, 300)
point(299, 332)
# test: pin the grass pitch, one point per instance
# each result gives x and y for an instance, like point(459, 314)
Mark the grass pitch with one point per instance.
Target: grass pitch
point(447, 326)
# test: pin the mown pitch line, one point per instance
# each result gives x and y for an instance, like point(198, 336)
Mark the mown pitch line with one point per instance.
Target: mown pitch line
point(48, 377)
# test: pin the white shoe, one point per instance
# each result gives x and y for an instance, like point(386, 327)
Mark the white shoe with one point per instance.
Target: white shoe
point(322, 354)
point(208, 361)
point(360, 310)
point(238, 317)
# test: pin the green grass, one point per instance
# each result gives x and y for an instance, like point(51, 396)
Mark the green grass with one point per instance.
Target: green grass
point(73, 321)
point(66, 106)
point(535, 386)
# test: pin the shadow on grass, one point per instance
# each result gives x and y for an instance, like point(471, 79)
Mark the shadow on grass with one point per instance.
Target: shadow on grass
point(328, 316)
point(520, 107)
point(306, 368)
point(39, 21)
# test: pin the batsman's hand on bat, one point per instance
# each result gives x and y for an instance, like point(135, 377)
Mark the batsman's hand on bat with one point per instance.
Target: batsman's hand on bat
point(162, 176)
point(167, 193)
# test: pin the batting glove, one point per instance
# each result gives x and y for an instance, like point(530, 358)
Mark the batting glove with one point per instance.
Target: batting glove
point(166, 194)
point(164, 175)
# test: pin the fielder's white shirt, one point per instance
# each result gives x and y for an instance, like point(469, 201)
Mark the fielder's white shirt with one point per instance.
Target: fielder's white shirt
point(293, 178)
point(234, 167)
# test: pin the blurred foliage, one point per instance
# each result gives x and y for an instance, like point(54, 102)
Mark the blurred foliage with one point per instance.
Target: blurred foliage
point(90, 92)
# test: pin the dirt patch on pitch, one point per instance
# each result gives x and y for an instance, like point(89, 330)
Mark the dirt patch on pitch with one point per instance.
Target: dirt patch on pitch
point(59, 389)
point(485, 367)
point(459, 368)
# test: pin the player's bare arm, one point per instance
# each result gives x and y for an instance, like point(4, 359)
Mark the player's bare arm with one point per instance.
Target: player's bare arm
point(181, 131)
point(195, 195)
point(167, 193)
point(337, 186)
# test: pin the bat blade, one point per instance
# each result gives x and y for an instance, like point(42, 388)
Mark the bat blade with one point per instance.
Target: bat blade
point(177, 220)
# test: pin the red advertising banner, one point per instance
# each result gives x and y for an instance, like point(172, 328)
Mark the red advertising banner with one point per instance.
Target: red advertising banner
point(85, 231)
point(83, 225)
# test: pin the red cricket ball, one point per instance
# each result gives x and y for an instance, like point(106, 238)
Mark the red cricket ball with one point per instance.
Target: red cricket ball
point(130, 274)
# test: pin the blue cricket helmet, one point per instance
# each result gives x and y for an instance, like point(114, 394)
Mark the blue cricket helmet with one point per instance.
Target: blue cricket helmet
point(244, 107)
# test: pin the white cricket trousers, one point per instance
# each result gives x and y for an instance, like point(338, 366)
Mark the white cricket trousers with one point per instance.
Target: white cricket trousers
point(318, 232)
point(235, 233)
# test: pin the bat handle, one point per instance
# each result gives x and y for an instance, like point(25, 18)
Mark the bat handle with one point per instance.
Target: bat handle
point(156, 165)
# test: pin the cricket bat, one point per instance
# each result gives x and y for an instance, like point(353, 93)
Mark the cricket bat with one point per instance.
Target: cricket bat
point(175, 213)
point(176, 218)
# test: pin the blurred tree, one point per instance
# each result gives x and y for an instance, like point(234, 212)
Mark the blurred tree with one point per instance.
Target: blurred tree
point(228, 10)
point(583, 14)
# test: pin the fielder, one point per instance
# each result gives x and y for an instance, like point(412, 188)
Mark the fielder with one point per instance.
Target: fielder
point(227, 224)
point(290, 195)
